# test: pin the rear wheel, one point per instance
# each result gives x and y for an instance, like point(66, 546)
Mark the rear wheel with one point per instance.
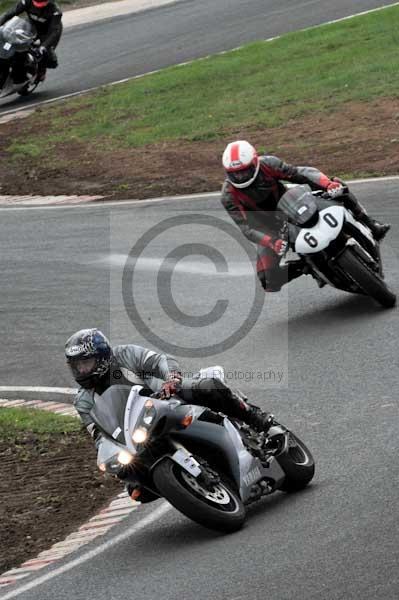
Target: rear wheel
point(216, 506)
point(297, 463)
point(370, 282)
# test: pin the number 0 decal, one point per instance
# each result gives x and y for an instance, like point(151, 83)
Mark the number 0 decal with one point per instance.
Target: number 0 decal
point(330, 220)
point(310, 240)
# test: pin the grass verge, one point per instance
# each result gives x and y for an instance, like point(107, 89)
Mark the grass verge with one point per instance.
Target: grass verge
point(5, 5)
point(326, 96)
point(14, 421)
point(263, 84)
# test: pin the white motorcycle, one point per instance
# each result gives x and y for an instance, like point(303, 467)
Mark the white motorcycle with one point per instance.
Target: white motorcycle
point(335, 248)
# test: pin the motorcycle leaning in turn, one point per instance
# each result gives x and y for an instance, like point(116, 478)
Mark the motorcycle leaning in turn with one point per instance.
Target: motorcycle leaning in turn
point(206, 465)
point(332, 245)
point(19, 58)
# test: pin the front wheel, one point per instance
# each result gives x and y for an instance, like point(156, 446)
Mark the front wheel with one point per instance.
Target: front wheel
point(297, 463)
point(369, 281)
point(216, 506)
point(29, 88)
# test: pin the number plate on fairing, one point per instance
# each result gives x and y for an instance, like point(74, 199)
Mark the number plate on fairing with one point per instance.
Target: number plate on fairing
point(188, 462)
point(317, 238)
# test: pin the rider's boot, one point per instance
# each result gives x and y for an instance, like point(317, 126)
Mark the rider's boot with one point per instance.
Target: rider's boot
point(295, 269)
point(258, 420)
point(379, 230)
point(252, 415)
point(285, 274)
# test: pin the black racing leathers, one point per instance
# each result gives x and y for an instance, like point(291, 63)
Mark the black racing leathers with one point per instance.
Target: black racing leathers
point(46, 20)
point(253, 209)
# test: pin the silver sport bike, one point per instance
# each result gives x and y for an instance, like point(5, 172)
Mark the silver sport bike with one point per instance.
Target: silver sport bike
point(206, 465)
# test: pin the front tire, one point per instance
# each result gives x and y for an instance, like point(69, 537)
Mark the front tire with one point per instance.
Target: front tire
point(297, 463)
point(28, 89)
point(371, 283)
point(217, 507)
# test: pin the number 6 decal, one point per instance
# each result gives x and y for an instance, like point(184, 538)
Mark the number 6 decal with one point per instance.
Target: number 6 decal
point(310, 240)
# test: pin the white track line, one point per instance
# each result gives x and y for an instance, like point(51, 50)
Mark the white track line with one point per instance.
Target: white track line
point(165, 199)
point(86, 91)
point(154, 516)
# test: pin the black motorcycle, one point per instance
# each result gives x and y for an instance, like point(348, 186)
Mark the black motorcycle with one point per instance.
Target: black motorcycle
point(207, 466)
point(19, 59)
point(335, 248)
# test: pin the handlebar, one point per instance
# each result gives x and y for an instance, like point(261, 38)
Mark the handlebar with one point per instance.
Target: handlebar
point(334, 193)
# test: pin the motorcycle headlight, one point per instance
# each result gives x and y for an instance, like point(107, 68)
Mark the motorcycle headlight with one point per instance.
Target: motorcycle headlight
point(140, 435)
point(124, 457)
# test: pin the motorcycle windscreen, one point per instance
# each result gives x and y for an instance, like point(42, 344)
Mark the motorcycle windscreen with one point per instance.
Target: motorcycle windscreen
point(18, 33)
point(109, 411)
point(299, 205)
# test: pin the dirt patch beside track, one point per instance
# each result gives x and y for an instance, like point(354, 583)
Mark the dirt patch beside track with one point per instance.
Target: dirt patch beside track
point(356, 140)
point(49, 486)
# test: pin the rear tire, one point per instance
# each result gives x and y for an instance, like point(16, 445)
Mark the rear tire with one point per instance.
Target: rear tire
point(370, 282)
point(226, 513)
point(297, 464)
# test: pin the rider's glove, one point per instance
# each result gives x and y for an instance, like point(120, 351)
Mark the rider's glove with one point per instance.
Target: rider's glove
point(334, 187)
point(171, 385)
point(42, 50)
point(279, 246)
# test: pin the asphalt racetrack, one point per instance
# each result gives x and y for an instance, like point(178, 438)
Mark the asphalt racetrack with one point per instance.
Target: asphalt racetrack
point(107, 51)
point(323, 361)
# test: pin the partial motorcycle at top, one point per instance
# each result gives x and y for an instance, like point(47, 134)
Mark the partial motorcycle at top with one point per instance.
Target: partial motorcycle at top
point(334, 247)
point(206, 465)
point(19, 58)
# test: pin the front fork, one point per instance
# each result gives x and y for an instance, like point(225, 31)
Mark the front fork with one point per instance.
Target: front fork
point(137, 481)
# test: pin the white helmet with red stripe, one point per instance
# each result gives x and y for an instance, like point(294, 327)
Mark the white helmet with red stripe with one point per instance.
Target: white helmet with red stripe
point(241, 163)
